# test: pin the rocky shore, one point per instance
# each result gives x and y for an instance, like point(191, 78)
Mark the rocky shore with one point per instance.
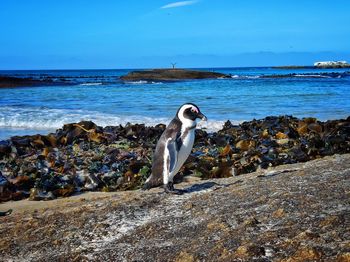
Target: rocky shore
point(318, 65)
point(85, 157)
point(297, 212)
point(309, 75)
point(9, 81)
point(170, 75)
point(332, 64)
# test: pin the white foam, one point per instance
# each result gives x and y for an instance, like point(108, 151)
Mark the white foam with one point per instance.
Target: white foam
point(245, 77)
point(140, 82)
point(14, 121)
point(210, 126)
point(309, 75)
point(91, 84)
point(44, 118)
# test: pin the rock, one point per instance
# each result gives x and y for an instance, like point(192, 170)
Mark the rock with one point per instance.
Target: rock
point(245, 145)
point(228, 219)
point(278, 213)
point(92, 182)
point(315, 127)
point(226, 151)
point(305, 254)
point(247, 251)
point(170, 75)
point(343, 257)
point(3, 183)
point(281, 135)
point(36, 195)
point(332, 64)
point(64, 192)
point(23, 182)
point(5, 148)
point(302, 129)
point(251, 222)
point(9, 81)
point(282, 141)
point(84, 156)
point(185, 257)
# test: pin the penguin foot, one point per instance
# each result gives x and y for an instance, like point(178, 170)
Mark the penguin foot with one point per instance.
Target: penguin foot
point(146, 186)
point(169, 189)
point(8, 212)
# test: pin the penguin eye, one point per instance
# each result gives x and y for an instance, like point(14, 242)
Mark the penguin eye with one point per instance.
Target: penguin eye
point(194, 110)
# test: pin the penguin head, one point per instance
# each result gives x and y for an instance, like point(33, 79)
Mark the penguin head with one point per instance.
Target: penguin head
point(190, 112)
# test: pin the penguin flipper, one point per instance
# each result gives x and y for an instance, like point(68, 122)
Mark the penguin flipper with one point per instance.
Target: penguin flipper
point(172, 149)
point(154, 179)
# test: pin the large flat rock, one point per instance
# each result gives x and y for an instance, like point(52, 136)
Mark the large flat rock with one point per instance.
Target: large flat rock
point(298, 212)
point(170, 75)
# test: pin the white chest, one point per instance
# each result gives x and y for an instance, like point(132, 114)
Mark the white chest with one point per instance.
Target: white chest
point(185, 150)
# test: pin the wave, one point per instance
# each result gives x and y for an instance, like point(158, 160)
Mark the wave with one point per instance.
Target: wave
point(91, 84)
point(55, 118)
point(212, 125)
point(141, 82)
point(313, 75)
point(245, 77)
point(51, 119)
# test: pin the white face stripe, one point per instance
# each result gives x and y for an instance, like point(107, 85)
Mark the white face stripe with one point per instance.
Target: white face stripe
point(180, 115)
point(186, 123)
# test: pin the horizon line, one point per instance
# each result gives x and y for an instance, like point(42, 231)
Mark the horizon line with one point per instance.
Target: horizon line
point(145, 68)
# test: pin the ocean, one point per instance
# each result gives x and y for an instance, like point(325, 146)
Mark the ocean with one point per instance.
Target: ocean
point(100, 96)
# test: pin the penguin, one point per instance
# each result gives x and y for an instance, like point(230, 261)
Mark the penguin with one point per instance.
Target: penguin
point(174, 147)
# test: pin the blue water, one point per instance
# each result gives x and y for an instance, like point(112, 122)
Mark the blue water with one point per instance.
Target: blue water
point(100, 96)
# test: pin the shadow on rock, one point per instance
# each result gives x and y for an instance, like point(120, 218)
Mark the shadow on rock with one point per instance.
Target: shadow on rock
point(199, 187)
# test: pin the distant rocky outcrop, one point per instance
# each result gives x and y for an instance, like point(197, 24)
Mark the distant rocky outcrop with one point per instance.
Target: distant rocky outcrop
point(309, 75)
point(332, 64)
point(10, 81)
point(325, 64)
point(170, 75)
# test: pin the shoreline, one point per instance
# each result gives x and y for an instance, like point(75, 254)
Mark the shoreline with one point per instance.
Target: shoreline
point(83, 157)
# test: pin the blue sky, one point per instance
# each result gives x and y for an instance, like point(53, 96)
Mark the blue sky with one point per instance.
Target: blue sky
point(42, 34)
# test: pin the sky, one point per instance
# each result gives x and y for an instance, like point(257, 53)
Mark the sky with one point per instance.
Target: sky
point(90, 34)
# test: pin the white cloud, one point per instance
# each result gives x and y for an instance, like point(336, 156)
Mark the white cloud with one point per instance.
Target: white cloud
point(177, 4)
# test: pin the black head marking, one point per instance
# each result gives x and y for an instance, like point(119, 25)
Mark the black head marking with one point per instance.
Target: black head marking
point(192, 112)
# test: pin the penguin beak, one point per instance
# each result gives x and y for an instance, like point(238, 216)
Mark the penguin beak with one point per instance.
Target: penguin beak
point(202, 117)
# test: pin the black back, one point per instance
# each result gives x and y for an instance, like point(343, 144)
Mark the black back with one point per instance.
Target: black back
point(172, 131)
